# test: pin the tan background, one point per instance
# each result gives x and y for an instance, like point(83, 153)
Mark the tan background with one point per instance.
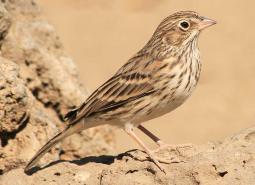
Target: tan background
point(102, 34)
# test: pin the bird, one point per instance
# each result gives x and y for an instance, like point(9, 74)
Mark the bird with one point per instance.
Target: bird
point(153, 82)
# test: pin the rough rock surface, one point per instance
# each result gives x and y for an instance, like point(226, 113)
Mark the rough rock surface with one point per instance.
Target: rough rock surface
point(38, 85)
point(230, 162)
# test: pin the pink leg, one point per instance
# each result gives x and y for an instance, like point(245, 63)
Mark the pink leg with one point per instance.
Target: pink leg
point(158, 141)
point(148, 133)
point(130, 132)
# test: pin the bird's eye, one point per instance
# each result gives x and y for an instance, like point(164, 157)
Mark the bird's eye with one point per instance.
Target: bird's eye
point(184, 25)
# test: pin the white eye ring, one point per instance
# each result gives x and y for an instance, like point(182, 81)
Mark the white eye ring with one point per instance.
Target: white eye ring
point(184, 25)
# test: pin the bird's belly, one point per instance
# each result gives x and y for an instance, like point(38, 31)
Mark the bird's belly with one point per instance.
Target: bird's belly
point(163, 108)
point(167, 104)
point(167, 107)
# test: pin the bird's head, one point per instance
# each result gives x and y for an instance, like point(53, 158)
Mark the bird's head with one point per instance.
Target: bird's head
point(182, 27)
point(177, 31)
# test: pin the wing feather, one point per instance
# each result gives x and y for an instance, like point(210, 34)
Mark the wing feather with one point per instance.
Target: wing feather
point(131, 82)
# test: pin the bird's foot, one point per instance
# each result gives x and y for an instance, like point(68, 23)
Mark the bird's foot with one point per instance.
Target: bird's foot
point(164, 146)
point(160, 155)
point(168, 154)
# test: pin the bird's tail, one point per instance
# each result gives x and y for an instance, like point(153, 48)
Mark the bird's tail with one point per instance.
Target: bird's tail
point(52, 142)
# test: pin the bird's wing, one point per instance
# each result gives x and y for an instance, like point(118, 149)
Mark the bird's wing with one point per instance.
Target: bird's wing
point(133, 81)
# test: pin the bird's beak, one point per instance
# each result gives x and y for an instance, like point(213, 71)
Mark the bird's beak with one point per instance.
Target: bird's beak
point(206, 23)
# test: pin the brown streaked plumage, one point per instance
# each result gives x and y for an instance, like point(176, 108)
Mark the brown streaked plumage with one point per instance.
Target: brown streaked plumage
point(155, 81)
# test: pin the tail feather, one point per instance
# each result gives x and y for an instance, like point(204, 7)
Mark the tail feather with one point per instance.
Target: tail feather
point(51, 143)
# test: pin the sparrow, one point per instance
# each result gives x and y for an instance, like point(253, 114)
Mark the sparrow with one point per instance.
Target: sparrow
point(155, 81)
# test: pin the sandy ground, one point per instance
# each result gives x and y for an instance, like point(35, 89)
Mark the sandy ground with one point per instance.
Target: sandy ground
point(102, 35)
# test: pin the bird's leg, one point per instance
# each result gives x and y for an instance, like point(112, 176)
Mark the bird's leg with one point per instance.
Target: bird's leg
point(130, 131)
point(151, 135)
point(159, 142)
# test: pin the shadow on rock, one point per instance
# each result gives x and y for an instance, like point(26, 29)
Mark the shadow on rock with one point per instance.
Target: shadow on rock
point(103, 159)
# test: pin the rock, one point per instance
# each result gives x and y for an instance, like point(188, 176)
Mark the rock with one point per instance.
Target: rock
point(14, 97)
point(229, 162)
point(39, 83)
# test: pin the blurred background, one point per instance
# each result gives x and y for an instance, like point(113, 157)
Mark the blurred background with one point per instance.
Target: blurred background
point(101, 35)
